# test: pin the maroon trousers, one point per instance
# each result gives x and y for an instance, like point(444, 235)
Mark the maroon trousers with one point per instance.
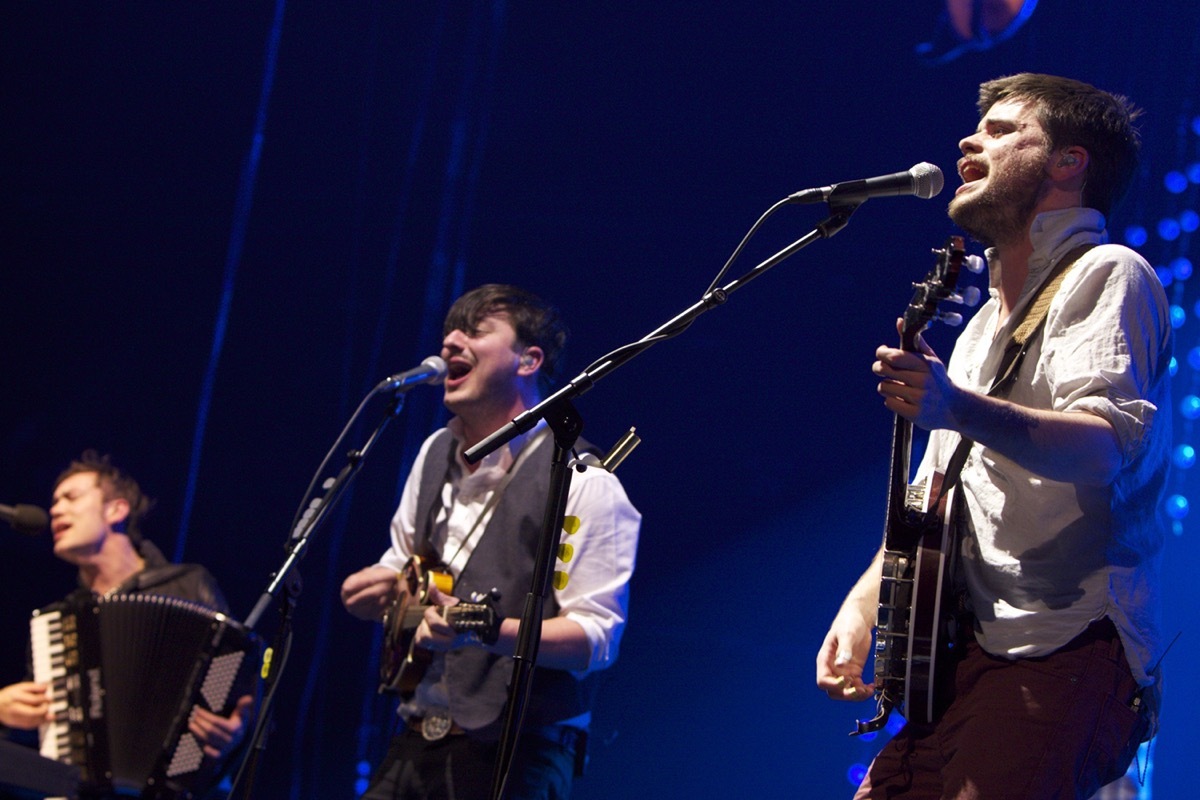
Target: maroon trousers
point(1058, 726)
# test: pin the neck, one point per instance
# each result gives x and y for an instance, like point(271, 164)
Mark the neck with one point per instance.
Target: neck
point(116, 562)
point(1014, 261)
point(480, 423)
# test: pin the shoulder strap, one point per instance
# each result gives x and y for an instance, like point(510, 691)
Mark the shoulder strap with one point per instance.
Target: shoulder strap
point(1034, 317)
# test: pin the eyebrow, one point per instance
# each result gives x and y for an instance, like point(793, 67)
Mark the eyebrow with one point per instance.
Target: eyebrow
point(1002, 120)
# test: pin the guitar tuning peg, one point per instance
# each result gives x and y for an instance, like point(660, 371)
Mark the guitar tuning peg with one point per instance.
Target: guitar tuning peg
point(951, 318)
point(974, 263)
point(968, 296)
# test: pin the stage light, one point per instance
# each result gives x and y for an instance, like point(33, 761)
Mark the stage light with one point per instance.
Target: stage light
point(967, 25)
point(1193, 358)
point(1168, 229)
point(1173, 364)
point(1189, 407)
point(856, 773)
point(1184, 456)
point(1178, 316)
point(1193, 172)
point(1181, 268)
point(1164, 276)
point(1189, 221)
point(1136, 236)
point(1177, 506)
point(1175, 181)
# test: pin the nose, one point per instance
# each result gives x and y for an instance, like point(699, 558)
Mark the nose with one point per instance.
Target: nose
point(453, 342)
point(969, 144)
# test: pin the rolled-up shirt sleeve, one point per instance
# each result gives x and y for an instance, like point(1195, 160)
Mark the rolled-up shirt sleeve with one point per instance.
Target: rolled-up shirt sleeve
point(605, 545)
point(1106, 345)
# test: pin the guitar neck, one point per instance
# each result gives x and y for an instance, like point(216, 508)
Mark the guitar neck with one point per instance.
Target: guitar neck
point(463, 615)
point(898, 529)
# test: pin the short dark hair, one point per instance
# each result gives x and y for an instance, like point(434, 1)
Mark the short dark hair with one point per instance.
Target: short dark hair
point(113, 483)
point(1074, 113)
point(536, 322)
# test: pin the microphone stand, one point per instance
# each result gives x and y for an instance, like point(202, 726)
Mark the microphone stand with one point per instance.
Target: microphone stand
point(566, 424)
point(287, 577)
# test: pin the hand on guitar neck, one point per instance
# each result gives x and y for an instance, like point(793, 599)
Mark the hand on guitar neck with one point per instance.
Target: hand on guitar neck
point(915, 384)
point(443, 629)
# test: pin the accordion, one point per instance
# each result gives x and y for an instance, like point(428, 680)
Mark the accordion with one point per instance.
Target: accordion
point(126, 673)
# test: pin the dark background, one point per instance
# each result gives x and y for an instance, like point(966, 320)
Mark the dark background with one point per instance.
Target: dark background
point(225, 222)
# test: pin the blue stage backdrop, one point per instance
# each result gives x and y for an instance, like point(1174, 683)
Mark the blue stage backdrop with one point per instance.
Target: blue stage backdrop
point(224, 223)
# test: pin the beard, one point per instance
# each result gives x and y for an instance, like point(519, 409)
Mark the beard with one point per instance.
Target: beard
point(1003, 210)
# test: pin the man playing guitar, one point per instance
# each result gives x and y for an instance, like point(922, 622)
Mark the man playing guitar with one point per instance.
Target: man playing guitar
point(1056, 679)
point(480, 523)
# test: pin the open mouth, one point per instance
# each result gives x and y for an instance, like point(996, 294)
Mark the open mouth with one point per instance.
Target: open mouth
point(457, 369)
point(971, 171)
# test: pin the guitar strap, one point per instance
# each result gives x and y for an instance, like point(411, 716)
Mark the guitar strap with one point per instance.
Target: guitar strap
point(1023, 336)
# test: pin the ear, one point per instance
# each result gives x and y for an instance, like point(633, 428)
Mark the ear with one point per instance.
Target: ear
point(116, 511)
point(530, 360)
point(1069, 162)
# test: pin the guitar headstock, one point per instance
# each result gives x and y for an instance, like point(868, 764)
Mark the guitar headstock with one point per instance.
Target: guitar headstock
point(939, 284)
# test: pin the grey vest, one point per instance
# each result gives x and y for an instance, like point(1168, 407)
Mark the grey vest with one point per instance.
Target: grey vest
point(503, 559)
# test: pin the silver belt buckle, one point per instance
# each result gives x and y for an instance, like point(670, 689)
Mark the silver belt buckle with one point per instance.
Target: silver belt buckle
point(435, 726)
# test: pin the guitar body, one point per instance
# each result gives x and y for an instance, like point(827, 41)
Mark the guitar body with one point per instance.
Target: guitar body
point(403, 664)
point(912, 634)
point(912, 638)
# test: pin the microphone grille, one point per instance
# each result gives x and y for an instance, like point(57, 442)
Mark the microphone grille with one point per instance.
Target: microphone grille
point(439, 364)
point(927, 180)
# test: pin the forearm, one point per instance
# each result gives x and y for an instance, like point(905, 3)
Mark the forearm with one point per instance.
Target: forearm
point(564, 644)
point(863, 597)
point(1073, 447)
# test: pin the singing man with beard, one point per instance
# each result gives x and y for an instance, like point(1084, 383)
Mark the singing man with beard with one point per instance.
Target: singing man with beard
point(1056, 676)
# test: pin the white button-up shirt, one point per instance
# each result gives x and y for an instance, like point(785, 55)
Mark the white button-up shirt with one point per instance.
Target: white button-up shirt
point(1042, 559)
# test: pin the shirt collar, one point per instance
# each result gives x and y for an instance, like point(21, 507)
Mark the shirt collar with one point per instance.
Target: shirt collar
point(492, 467)
point(1053, 234)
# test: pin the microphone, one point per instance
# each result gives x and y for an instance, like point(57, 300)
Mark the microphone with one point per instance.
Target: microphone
point(431, 370)
point(924, 180)
point(26, 519)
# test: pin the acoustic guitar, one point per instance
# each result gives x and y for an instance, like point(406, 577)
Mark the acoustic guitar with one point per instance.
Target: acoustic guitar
point(403, 664)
